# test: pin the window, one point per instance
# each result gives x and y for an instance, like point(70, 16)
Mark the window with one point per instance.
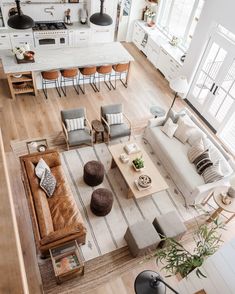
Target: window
point(179, 18)
point(228, 134)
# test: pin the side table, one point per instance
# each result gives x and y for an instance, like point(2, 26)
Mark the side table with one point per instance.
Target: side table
point(67, 261)
point(98, 127)
point(37, 146)
point(221, 207)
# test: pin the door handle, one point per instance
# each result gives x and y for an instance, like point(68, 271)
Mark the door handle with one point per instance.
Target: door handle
point(212, 87)
point(215, 90)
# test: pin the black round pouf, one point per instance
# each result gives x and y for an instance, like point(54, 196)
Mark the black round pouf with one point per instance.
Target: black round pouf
point(101, 201)
point(93, 173)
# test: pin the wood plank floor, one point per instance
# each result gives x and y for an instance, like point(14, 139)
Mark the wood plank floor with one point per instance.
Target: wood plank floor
point(28, 117)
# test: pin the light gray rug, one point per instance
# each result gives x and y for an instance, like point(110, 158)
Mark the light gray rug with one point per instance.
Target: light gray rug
point(106, 234)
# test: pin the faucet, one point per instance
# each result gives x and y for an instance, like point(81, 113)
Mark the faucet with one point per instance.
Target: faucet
point(49, 10)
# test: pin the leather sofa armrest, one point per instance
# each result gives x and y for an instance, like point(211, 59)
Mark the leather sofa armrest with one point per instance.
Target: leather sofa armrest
point(63, 233)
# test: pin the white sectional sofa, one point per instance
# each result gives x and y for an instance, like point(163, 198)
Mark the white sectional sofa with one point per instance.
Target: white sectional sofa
point(173, 155)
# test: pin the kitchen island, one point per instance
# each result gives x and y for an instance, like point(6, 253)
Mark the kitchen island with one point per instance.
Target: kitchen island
point(62, 58)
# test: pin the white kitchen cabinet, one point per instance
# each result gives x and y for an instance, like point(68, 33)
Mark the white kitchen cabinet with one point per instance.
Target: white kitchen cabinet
point(153, 52)
point(138, 36)
point(5, 42)
point(19, 39)
point(167, 65)
point(79, 37)
point(102, 34)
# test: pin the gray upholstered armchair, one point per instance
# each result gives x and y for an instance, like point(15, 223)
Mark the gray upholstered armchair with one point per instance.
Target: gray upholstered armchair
point(115, 130)
point(77, 134)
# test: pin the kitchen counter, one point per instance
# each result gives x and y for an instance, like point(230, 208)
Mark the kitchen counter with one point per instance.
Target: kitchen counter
point(58, 58)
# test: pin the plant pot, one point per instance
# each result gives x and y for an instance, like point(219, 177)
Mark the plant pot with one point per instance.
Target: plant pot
point(137, 169)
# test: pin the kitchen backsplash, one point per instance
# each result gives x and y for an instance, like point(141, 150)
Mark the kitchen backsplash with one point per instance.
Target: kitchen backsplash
point(46, 11)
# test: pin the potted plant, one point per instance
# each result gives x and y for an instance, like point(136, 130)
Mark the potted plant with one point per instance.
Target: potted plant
point(138, 163)
point(178, 260)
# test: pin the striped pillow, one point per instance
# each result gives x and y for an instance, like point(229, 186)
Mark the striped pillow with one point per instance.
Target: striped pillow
point(75, 124)
point(202, 162)
point(212, 173)
point(114, 118)
point(196, 150)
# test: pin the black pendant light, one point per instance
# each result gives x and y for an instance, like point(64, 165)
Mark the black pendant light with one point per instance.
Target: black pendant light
point(20, 21)
point(101, 18)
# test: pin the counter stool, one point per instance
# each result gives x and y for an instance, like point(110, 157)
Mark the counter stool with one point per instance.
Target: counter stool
point(105, 71)
point(50, 77)
point(120, 70)
point(69, 75)
point(88, 73)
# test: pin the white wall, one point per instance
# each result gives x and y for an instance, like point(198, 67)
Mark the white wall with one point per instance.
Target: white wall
point(214, 12)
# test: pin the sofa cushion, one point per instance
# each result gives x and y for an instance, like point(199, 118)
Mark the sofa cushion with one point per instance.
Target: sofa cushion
point(184, 129)
point(114, 118)
point(202, 162)
point(176, 154)
point(216, 155)
point(75, 124)
point(62, 205)
point(169, 128)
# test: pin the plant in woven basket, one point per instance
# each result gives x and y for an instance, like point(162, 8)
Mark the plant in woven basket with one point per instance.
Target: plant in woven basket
point(178, 260)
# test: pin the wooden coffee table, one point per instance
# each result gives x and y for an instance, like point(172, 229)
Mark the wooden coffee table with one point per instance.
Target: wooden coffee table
point(130, 175)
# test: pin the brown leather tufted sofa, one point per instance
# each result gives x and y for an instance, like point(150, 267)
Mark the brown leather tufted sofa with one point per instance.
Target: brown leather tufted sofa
point(56, 220)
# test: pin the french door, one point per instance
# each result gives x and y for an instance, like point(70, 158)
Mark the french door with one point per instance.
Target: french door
point(212, 92)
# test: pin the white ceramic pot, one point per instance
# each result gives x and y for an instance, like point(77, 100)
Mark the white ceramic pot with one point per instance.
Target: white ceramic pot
point(20, 56)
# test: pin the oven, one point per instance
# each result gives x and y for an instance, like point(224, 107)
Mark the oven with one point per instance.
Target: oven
point(51, 39)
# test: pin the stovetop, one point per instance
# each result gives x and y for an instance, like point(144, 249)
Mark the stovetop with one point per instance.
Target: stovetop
point(49, 26)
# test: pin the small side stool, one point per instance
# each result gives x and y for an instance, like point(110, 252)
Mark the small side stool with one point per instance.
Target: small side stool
point(170, 225)
point(141, 237)
point(101, 202)
point(93, 173)
point(98, 127)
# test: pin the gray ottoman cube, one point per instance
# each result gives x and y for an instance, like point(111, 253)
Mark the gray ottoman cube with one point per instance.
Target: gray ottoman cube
point(170, 225)
point(141, 237)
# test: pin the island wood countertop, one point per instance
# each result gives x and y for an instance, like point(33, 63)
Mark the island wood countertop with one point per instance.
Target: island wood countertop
point(58, 58)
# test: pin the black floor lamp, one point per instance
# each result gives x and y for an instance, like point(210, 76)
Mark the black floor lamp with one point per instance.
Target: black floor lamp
point(150, 282)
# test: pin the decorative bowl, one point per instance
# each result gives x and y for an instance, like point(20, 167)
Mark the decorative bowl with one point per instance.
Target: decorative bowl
point(29, 55)
point(144, 181)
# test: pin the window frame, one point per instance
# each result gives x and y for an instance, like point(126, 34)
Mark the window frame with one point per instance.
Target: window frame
point(165, 29)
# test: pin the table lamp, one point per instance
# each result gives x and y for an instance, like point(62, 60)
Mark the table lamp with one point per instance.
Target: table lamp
point(179, 85)
point(150, 282)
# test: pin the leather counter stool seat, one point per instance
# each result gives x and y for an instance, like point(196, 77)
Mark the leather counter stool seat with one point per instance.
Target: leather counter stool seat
point(105, 71)
point(69, 75)
point(93, 173)
point(120, 70)
point(50, 77)
point(101, 201)
point(88, 73)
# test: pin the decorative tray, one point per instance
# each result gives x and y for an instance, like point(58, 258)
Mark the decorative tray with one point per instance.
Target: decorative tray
point(141, 188)
point(24, 60)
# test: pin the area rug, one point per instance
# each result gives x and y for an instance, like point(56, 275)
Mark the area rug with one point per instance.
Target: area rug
point(106, 234)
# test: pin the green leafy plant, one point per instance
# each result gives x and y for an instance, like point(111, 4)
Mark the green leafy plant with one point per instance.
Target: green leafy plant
point(138, 162)
point(178, 260)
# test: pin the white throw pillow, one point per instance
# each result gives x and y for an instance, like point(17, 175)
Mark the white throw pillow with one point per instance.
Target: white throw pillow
point(40, 168)
point(196, 150)
point(184, 129)
point(169, 128)
point(196, 135)
point(75, 124)
point(114, 118)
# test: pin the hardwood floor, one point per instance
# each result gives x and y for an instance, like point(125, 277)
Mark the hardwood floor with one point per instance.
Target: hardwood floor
point(28, 117)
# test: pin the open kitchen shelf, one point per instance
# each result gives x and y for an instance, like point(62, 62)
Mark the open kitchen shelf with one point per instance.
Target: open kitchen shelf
point(22, 85)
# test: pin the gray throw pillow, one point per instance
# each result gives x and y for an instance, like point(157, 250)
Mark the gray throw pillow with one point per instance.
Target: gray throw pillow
point(48, 183)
